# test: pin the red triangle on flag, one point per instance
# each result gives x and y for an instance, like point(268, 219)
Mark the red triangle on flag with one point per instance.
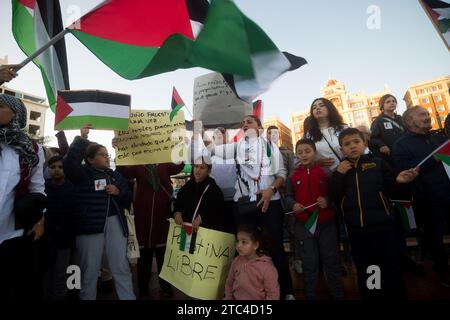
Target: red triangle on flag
point(407, 204)
point(444, 149)
point(176, 99)
point(433, 14)
point(188, 229)
point(63, 109)
point(28, 3)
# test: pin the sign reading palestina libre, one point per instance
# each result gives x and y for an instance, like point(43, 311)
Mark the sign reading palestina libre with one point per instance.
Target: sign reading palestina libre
point(151, 138)
point(200, 272)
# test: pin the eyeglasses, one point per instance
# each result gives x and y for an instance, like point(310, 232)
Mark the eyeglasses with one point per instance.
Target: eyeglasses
point(106, 155)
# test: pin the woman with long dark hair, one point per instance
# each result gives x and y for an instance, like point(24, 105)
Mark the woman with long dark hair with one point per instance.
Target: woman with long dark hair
point(323, 127)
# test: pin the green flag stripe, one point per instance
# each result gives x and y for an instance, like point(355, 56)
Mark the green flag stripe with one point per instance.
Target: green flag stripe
point(444, 25)
point(403, 216)
point(23, 28)
point(312, 219)
point(183, 239)
point(175, 110)
point(147, 61)
point(97, 122)
point(445, 158)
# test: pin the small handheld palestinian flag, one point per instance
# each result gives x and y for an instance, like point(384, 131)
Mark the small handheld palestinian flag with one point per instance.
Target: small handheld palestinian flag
point(311, 224)
point(101, 109)
point(443, 153)
point(177, 103)
point(406, 212)
point(187, 239)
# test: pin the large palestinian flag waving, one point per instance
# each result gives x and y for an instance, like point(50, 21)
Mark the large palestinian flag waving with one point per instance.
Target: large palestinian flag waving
point(34, 23)
point(439, 14)
point(143, 38)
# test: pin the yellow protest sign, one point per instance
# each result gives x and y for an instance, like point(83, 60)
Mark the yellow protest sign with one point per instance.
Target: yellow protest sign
point(151, 138)
point(201, 274)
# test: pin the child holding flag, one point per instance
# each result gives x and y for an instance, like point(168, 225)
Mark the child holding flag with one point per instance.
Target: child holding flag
point(315, 227)
point(360, 186)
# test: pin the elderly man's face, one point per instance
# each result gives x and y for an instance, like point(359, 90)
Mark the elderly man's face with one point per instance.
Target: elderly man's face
point(420, 121)
point(6, 115)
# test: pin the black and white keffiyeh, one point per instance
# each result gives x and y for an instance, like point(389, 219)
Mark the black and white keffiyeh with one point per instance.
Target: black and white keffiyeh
point(12, 135)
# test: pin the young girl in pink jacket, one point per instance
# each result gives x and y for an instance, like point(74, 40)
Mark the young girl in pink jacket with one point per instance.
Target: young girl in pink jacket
point(252, 275)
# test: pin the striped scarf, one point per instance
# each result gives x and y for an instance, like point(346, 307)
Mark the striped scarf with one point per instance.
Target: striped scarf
point(12, 135)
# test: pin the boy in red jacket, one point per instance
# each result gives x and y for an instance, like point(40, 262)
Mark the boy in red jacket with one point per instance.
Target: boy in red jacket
point(315, 228)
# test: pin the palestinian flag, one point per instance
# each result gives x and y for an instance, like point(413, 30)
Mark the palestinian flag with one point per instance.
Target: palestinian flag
point(406, 212)
point(187, 238)
point(439, 14)
point(103, 110)
point(311, 223)
point(34, 23)
point(177, 103)
point(443, 153)
point(153, 37)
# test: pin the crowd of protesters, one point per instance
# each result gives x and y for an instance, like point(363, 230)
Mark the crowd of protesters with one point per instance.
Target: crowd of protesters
point(336, 188)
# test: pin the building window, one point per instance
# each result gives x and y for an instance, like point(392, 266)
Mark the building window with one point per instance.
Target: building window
point(425, 100)
point(421, 91)
point(437, 98)
point(14, 94)
point(440, 108)
point(357, 105)
point(36, 116)
point(434, 88)
point(34, 99)
point(33, 130)
point(374, 113)
point(359, 116)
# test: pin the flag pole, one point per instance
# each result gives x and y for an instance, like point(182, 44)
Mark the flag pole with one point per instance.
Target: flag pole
point(52, 41)
point(432, 153)
point(291, 212)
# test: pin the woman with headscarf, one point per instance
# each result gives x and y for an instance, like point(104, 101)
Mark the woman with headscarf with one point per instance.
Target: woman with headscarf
point(21, 173)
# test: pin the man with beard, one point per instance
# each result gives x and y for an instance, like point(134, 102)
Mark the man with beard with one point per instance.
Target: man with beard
point(431, 189)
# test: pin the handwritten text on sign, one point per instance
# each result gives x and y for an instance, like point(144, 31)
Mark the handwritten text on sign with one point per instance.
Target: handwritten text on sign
point(215, 103)
point(151, 138)
point(202, 274)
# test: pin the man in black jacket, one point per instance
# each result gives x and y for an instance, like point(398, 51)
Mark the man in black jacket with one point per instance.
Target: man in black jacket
point(431, 190)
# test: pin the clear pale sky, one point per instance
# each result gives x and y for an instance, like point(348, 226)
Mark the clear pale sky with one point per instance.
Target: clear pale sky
point(331, 34)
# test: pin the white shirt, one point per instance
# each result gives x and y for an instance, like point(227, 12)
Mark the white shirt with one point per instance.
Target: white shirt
point(324, 150)
point(9, 178)
point(268, 172)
